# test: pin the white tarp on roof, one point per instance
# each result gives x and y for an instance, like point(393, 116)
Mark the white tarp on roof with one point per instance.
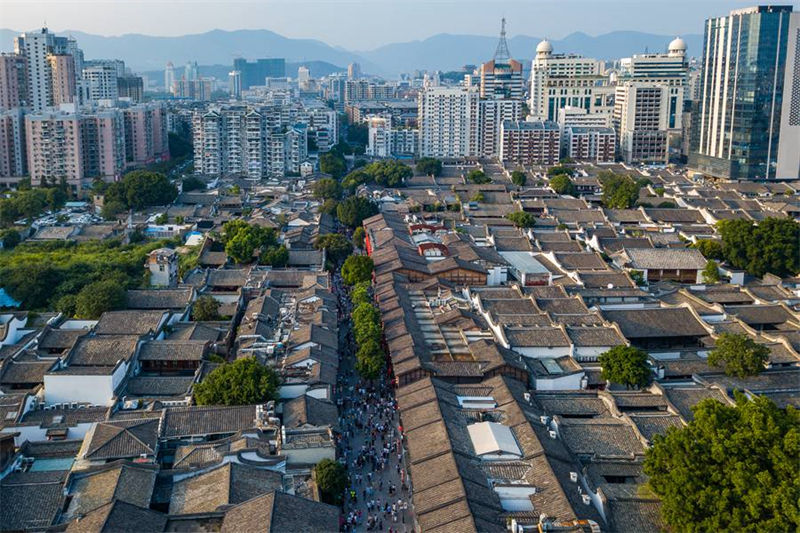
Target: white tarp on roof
point(493, 439)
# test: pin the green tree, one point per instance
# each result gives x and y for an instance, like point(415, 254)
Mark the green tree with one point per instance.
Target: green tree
point(739, 354)
point(355, 178)
point(518, 178)
point(111, 209)
point(357, 268)
point(327, 188)
point(142, 188)
point(333, 163)
point(478, 177)
point(336, 246)
point(98, 297)
point(328, 207)
point(626, 365)
point(359, 236)
point(389, 172)
point(366, 323)
point(354, 210)
point(275, 256)
point(769, 247)
point(732, 468)
point(242, 240)
point(560, 170)
point(619, 192)
point(711, 272)
point(179, 145)
point(10, 238)
point(163, 218)
point(429, 166)
point(477, 197)
point(242, 382)
point(206, 307)
point(710, 249)
point(522, 219)
point(66, 305)
point(331, 479)
point(360, 294)
point(193, 183)
point(370, 360)
point(358, 134)
point(561, 184)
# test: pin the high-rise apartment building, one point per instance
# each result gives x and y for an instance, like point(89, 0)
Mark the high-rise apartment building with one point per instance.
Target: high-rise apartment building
point(131, 87)
point(13, 162)
point(13, 81)
point(530, 143)
point(644, 114)
point(353, 71)
point(789, 134)
point(146, 139)
point(561, 80)
point(35, 47)
point(739, 118)
point(169, 77)
point(62, 78)
point(493, 112)
point(449, 121)
point(101, 81)
point(249, 141)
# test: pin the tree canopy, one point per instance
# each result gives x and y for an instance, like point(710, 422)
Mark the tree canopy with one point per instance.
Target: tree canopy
point(619, 191)
point(354, 210)
point(141, 188)
point(242, 240)
point(626, 365)
point(711, 272)
point(478, 177)
point(206, 307)
point(336, 246)
point(739, 354)
point(327, 188)
point(193, 183)
point(768, 247)
point(518, 178)
point(710, 249)
point(388, 173)
point(39, 274)
point(30, 203)
point(274, 256)
point(560, 170)
point(331, 479)
point(359, 236)
point(333, 163)
point(242, 382)
point(522, 219)
point(98, 297)
point(561, 184)
point(732, 468)
point(357, 268)
point(370, 358)
point(429, 166)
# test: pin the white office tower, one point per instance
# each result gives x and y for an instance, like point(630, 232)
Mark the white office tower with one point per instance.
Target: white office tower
point(789, 147)
point(492, 114)
point(303, 75)
point(169, 78)
point(35, 47)
point(671, 68)
point(379, 136)
point(101, 80)
point(644, 115)
point(235, 84)
point(561, 80)
point(449, 121)
point(577, 116)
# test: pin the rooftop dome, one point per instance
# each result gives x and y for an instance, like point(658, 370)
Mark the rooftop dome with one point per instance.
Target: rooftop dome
point(544, 47)
point(677, 45)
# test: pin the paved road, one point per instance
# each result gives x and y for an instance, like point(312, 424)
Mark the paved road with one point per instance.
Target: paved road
point(377, 499)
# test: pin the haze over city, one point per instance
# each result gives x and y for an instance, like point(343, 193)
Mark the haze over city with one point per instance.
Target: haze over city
point(361, 24)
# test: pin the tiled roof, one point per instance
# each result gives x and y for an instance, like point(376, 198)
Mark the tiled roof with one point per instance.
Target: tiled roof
point(172, 350)
point(159, 298)
point(666, 258)
point(211, 420)
point(30, 500)
point(115, 481)
point(122, 439)
point(278, 512)
point(129, 322)
point(119, 516)
point(229, 483)
point(103, 350)
point(658, 322)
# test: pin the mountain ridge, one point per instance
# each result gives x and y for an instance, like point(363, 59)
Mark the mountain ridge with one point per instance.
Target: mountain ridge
point(442, 51)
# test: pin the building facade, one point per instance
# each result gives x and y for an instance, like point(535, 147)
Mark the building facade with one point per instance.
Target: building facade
point(530, 143)
point(738, 118)
point(449, 121)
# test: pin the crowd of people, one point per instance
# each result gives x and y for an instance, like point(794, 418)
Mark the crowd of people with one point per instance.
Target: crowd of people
point(370, 445)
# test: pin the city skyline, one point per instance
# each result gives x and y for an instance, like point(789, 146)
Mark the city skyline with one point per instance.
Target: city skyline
point(355, 25)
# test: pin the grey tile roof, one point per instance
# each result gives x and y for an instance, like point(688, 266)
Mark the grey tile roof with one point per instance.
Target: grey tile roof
point(658, 322)
point(115, 481)
point(666, 258)
point(307, 410)
point(173, 350)
point(210, 420)
point(278, 512)
point(30, 500)
point(103, 350)
point(159, 298)
point(119, 516)
point(226, 484)
point(129, 322)
point(122, 439)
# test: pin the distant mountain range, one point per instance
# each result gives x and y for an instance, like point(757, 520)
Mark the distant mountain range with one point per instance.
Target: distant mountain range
point(440, 52)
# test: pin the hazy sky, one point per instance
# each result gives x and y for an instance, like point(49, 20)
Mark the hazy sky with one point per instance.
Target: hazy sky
point(366, 24)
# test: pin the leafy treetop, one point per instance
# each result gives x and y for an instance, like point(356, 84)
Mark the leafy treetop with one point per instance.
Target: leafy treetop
point(242, 382)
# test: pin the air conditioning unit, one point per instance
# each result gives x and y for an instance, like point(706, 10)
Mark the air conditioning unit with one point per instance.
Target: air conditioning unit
point(587, 499)
point(573, 476)
point(527, 397)
point(553, 434)
point(544, 419)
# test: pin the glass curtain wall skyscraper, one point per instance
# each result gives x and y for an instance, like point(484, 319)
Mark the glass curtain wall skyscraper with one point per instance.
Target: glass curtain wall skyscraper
point(738, 115)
